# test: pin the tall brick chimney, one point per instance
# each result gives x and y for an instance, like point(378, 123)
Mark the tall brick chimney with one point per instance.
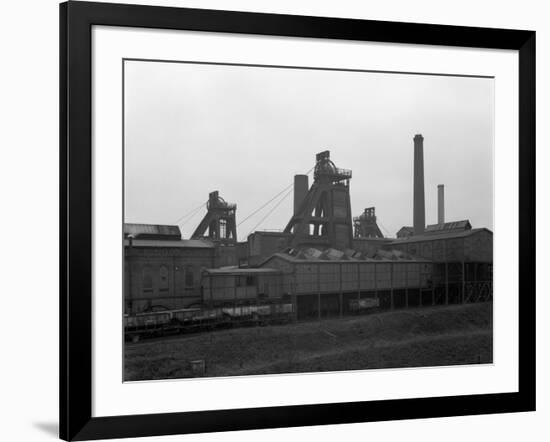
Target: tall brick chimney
point(440, 204)
point(419, 211)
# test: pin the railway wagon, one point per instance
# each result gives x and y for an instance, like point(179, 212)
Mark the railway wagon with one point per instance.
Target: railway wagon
point(204, 319)
point(154, 323)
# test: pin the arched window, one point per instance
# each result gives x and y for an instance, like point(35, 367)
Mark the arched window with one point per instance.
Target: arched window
point(147, 279)
point(163, 278)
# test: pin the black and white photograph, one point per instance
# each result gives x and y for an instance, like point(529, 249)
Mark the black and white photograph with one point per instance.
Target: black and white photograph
point(297, 219)
point(235, 221)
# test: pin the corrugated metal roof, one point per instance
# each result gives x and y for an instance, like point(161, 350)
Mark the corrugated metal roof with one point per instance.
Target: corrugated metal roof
point(443, 235)
point(137, 230)
point(183, 243)
point(381, 256)
point(372, 240)
point(309, 253)
point(450, 226)
point(334, 255)
point(350, 253)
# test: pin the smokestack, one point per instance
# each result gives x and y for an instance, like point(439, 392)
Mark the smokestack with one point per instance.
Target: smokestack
point(301, 186)
point(419, 212)
point(440, 204)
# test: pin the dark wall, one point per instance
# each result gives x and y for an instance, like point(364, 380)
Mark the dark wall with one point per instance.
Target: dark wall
point(261, 245)
point(477, 247)
point(226, 255)
point(164, 276)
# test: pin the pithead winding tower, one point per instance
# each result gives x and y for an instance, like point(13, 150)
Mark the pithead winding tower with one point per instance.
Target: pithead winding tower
point(219, 222)
point(323, 218)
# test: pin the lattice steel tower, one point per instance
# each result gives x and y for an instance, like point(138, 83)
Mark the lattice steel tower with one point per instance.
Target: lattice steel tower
point(324, 215)
point(219, 222)
point(365, 225)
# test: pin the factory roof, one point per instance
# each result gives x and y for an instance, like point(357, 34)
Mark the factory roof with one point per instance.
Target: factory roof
point(448, 227)
point(182, 243)
point(313, 255)
point(233, 270)
point(270, 233)
point(152, 231)
point(433, 236)
point(405, 231)
point(373, 239)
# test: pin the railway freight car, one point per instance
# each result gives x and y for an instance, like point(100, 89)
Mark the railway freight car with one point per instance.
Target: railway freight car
point(161, 323)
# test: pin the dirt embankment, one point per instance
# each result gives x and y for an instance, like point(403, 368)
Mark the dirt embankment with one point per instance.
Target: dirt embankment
point(407, 338)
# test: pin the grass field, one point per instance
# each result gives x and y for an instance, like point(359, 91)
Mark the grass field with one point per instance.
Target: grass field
point(433, 336)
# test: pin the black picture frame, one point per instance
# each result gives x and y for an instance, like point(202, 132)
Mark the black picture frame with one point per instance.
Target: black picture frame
point(76, 21)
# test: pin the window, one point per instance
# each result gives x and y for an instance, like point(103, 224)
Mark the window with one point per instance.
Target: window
point(147, 279)
point(189, 277)
point(245, 281)
point(163, 278)
point(427, 250)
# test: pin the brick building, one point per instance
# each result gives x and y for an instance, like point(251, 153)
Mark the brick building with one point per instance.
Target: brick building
point(162, 270)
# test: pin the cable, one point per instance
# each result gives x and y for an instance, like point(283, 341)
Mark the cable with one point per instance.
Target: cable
point(270, 212)
point(189, 219)
point(191, 212)
point(267, 203)
point(385, 230)
point(261, 207)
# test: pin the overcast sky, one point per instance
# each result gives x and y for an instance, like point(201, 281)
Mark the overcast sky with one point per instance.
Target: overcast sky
point(246, 131)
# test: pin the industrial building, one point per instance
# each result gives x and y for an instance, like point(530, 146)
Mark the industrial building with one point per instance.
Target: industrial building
point(325, 262)
point(161, 269)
